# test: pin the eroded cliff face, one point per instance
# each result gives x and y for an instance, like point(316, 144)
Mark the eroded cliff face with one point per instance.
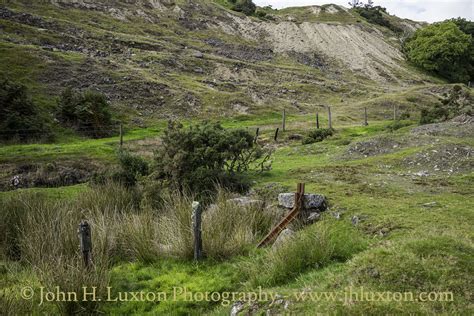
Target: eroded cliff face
point(359, 49)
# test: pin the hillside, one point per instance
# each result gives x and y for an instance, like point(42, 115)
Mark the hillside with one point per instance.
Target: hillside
point(163, 59)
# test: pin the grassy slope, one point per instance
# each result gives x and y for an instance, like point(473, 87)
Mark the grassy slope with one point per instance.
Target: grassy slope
point(408, 240)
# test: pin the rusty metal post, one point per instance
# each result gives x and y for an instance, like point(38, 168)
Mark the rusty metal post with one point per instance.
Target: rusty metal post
point(85, 242)
point(197, 233)
point(276, 134)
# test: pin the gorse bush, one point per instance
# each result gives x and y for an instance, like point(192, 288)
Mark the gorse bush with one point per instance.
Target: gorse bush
point(318, 135)
point(313, 247)
point(199, 157)
point(87, 112)
point(20, 117)
point(130, 170)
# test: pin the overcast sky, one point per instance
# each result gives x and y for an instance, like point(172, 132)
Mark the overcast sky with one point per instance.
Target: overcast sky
point(418, 10)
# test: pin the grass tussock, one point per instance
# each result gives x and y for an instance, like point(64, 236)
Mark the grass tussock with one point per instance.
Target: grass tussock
point(311, 248)
point(230, 229)
point(43, 234)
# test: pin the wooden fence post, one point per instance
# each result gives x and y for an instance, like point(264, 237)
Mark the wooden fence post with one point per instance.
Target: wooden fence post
point(394, 112)
point(283, 123)
point(317, 120)
point(196, 220)
point(276, 134)
point(256, 135)
point(366, 122)
point(121, 135)
point(329, 117)
point(85, 242)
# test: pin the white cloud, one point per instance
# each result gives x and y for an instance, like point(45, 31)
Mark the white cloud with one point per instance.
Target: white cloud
point(418, 10)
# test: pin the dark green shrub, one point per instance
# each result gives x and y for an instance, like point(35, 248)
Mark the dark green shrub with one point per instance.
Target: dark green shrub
point(131, 169)
point(20, 117)
point(88, 112)
point(397, 125)
point(454, 103)
point(318, 135)
point(203, 155)
point(245, 6)
point(374, 15)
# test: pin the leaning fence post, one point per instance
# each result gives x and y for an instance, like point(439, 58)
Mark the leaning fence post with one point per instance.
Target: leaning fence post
point(329, 117)
point(276, 134)
point(196, 220)
point(366, 122)
point(256, 135)
point(85, 242)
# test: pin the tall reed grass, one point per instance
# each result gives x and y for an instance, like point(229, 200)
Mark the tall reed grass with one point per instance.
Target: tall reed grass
point(42, 234)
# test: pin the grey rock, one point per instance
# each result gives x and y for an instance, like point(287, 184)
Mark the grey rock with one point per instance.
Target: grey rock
point(16, 181)
point(311, 201)
point(198, 54)
point(246, 202)
point(284, 236)
point(236, 308)
point(355, 220)
point(314, 217)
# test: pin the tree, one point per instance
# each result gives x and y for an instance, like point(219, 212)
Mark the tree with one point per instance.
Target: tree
point(464, 25)
point(203, 155)
point(442, 48)
point(20, 117)
point(88, 112)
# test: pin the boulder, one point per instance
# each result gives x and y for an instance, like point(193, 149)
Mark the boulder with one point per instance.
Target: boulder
point(284, 236)
point(311, 201)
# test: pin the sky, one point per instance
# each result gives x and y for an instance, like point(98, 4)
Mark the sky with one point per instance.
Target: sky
point(418, 10)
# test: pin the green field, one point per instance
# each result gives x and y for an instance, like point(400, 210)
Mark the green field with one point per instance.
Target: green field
point(414, 235)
